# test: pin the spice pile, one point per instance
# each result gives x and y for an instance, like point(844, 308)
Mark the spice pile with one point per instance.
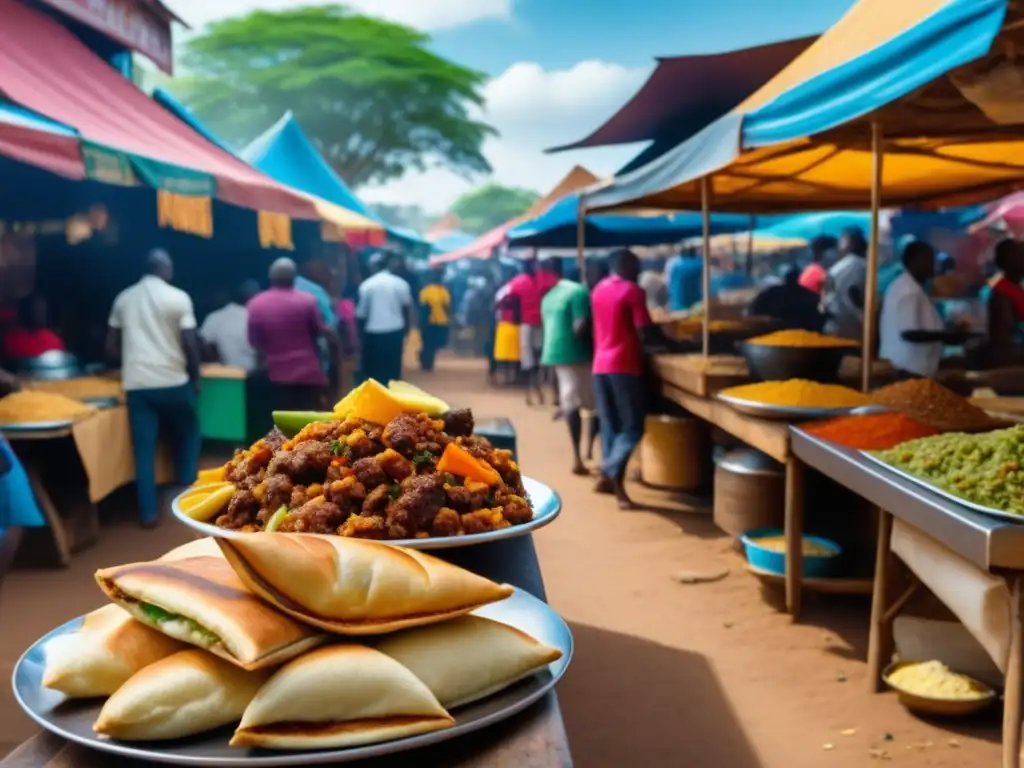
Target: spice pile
point(871, 432)
point(932, 404)
point(798, 338)
point(799, 393)
point(26, 407)
point(986, 469)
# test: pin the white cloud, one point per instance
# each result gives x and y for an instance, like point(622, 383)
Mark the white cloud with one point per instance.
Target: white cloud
point(533, 109)
point(422, 14)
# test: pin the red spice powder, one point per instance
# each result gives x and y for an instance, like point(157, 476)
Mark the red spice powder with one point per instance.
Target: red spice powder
point(871, 432)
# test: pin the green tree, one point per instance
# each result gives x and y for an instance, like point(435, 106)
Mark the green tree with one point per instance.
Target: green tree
point(368, 92)
point(490, 205)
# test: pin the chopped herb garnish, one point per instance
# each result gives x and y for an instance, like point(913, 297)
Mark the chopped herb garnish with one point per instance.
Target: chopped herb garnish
point(395, 492)
point(425, 457)
point(449, 478)
point(490, 498)
point(338, 448)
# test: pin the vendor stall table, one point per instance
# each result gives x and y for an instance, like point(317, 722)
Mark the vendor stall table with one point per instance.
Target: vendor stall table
point(73, 468)
point(771, 437)
point(533, 739)
point(992, 545)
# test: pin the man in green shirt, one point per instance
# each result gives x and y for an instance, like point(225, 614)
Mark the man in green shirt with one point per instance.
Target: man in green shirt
point(568, 349)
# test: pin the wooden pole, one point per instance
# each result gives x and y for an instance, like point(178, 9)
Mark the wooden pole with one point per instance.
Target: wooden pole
point(750, 245)
point(705, 210)
point(581, 220)
point(871, 284)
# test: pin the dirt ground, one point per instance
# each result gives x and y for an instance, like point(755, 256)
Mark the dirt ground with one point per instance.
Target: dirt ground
point(665, 674)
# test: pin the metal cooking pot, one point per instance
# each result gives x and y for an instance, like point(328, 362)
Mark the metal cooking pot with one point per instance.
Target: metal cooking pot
point(769, 363)
point(51, 365)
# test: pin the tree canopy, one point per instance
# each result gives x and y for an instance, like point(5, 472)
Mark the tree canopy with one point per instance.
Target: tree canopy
point(368, 92)
point(490, 205)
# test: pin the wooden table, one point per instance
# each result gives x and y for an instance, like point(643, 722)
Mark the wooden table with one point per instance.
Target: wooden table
point(533, 739)
point(992, 545)
point(771, 437)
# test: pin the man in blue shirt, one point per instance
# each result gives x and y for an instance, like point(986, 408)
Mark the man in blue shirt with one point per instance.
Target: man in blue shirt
point(684, 273)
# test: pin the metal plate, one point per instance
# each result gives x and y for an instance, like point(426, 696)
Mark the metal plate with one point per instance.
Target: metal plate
point(37, 426)
point(766, 411)
point(101, 402)
point(946, 494)
point(545, 502)
point(73, 720)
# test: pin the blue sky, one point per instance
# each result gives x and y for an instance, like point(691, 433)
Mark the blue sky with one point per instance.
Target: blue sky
point(558, 68)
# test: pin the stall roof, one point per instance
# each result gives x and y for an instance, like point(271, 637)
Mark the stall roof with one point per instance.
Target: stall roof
point(685, 93)
point(34, 139)
point(926, 72)
point(576, 179)
point(285, 152)
point(557, 228)
point(46, 69)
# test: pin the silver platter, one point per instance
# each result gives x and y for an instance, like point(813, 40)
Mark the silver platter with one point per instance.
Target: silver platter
point(545, 502)
point(792, 413)
point(72, 720)
point(37, 426)
point(921, 482)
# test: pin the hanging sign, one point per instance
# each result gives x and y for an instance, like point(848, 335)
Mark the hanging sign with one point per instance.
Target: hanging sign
point(138, 24)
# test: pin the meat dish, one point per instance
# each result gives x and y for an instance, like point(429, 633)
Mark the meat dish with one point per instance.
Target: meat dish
point(353, 477)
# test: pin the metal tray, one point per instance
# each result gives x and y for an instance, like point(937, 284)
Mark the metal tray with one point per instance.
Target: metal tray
point(37, 426)
point(73, 720)
point(766, 411)
point(101, 402)
point(545, 502)
point(1019, 519)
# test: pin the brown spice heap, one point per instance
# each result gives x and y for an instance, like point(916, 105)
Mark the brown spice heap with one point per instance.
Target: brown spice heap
point(932, 404)
point(871, 432)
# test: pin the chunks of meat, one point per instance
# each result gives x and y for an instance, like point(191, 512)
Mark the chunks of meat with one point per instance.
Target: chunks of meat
point(361, 527)
point(278, 491)
point(395, 465)
point(369, 472)
point(410, 434)
point(242, 510)
point(484, 520)
point(446, 523)
point(249, 462)
point(377, 501)
point(359, 445)
point(458, 422)
point(275, 439)
point(464, 500)
point(517, 511)
point(315, 516)
point(348, 493)
point(422, 497)
point(305, 463)
point(478, 447)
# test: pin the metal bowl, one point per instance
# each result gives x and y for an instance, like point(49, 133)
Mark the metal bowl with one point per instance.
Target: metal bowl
point(925, 705)
point(768, 363)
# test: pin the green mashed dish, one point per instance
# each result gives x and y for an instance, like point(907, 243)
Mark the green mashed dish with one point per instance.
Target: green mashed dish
point(159, 616)
point(985, 469)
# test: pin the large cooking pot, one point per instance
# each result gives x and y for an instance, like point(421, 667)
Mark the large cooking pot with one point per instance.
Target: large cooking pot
point(51, 365)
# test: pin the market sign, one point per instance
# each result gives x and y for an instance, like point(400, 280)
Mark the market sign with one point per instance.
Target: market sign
point(137, 24)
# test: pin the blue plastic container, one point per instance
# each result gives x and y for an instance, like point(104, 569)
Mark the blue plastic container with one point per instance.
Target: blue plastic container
point(815, 566)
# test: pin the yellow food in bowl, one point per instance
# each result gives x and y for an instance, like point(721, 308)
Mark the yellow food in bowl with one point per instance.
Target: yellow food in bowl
point(778, 544)
point(800, 393)
point(797, 338)
point(934, 680)
point(27, 407)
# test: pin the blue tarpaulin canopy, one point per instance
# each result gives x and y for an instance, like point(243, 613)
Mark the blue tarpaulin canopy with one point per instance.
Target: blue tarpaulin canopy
point(924, 74)
point(286, 153)
point(557, 228)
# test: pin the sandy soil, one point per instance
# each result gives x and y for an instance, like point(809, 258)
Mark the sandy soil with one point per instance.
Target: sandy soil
point(665, 674)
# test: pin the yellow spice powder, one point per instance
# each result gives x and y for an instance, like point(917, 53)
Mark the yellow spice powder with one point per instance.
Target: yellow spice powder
point(798, 338)
point(800, 393)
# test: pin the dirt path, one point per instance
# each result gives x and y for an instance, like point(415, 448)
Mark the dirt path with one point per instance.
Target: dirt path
point(665, 674)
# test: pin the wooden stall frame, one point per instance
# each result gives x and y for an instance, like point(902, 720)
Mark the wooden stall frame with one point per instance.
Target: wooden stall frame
point(871, 286)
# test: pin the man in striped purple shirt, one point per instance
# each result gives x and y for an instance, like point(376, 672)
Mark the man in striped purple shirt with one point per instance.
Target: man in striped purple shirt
point(285, 327)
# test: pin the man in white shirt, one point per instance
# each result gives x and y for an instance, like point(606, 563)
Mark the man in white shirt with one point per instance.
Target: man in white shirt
point(912, 332)
point(152, 329)
point(843, 292)
point(225, 330)
point(384, 311)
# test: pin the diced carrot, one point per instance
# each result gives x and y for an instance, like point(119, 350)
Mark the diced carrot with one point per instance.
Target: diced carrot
point(458, 461)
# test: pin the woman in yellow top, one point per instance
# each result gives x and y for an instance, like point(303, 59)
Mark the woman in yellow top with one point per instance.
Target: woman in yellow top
point(435, 314)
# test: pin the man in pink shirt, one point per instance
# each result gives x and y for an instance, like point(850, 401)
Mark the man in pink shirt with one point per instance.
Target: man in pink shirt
point(621, 322)
point(525, 291)
point(284, 327)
